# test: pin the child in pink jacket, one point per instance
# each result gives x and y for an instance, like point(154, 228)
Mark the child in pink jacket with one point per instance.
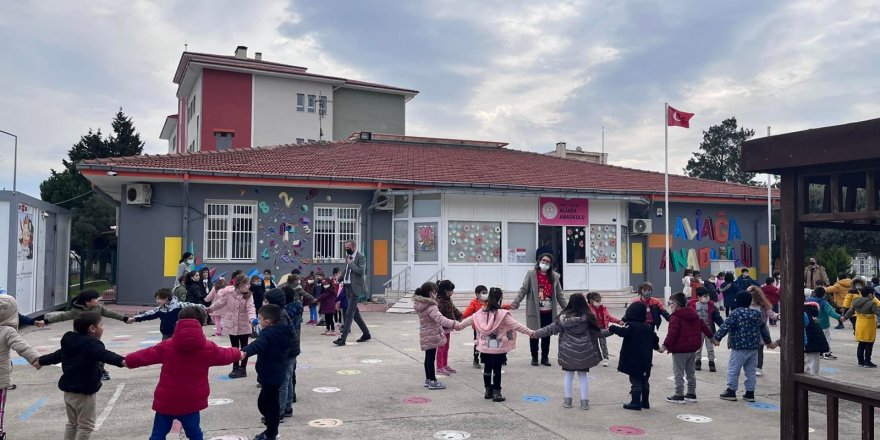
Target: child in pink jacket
point(432, 327)
point(604, 319)
point(496, 336)
point(236, 304)
point(214, 296)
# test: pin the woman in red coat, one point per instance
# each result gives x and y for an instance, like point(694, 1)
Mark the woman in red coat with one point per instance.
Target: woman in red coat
point(183, 387)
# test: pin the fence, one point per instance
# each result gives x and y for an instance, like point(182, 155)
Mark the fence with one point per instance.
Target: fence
point(95, 269)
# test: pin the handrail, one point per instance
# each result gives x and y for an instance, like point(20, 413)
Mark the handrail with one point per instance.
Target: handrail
point(438, 276)
point(388, 285)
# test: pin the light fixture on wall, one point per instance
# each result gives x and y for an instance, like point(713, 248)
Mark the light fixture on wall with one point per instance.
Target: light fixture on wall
point(659, 212)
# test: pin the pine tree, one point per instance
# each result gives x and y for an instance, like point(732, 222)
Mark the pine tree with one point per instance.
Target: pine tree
point(720, 156)
point(125, 141)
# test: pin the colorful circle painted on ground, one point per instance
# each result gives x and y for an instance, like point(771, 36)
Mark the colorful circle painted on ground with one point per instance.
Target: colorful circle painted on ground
point(371, 361)
point(829, 370)
point(534, 398)
point(627, 430)
point(326, 390)
point(348, 372)
point(414, 400)
point(693, 418)
point(452, 435)
point(325, 423)
point(19, 361)
point(764, 406)
point(229, 437)
point(218, 402)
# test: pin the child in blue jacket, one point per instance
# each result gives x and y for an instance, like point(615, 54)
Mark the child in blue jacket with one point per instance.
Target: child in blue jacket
point(747, 331)
point(167, 312)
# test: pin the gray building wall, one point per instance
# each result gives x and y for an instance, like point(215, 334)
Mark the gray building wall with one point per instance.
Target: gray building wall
point(750, 219)
point(360, 110)
point(142, 231)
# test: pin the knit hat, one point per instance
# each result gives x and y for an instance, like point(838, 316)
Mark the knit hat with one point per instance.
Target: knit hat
point(548, 255)
point(636, 312)
point(743, 299)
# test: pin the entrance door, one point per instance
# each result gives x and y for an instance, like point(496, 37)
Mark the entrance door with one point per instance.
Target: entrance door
point(550, 242)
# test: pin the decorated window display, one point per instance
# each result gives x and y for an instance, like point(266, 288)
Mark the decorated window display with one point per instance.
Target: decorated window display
point(474, 242)
point(603, 244)
point(575, 244)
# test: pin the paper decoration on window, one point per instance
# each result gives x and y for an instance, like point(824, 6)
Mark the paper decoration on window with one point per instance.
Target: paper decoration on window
point(474, 242)
point(427, 238)
point(603, 244)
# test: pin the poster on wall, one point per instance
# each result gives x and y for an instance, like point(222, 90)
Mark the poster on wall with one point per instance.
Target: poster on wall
point(555, 211)
point(24, 284)
point(25, 233)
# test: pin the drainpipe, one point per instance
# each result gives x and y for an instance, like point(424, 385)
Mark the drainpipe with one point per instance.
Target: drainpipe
point(185, 216)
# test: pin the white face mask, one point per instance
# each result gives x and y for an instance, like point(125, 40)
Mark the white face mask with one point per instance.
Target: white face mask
point(190, 261)
point(544, 266)
point(484, 297)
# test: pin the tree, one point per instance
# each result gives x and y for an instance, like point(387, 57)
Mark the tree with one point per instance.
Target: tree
point(836, 260)
point(720, 156)
point(125, 141)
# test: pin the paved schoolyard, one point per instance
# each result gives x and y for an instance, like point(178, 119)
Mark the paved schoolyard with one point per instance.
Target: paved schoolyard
point(374, 390)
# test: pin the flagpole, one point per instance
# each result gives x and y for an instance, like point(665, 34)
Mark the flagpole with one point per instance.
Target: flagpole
point(667, 290)
point(769, 220)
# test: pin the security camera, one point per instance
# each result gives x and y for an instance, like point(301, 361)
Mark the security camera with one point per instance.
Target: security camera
point(659, 212)
point(112, 173)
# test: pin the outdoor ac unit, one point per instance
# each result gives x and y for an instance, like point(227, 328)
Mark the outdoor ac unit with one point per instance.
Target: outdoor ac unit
point(640, 226)
point(138, 194)
point(383, 201)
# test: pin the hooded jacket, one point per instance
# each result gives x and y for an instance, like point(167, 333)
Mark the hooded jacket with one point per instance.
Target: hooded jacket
point(825, 311)
point(864, 308)
point(814, 338)
point(578, 341)
point(838, 291)
point(431, 323)
point(10, 339)
point(271, 349)
point(496, 330)
point(276, 297)
point(79, 357)
point(685, 331)
point(236, 309)
point(327, 301)
point(183, 382)
point(639, 340)
point(167, 315)
point(745, 325)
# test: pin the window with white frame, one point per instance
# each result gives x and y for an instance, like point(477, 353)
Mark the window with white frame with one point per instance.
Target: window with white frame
point(300, 102)
point(230, 231)
point(312, 99)
point(333, 226)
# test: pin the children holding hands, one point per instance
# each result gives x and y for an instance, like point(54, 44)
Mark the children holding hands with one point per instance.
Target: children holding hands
point(682, 341)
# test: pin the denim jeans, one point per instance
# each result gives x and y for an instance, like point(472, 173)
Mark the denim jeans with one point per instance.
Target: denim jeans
point(288, 387)
point(747, 360)
point(189, 422)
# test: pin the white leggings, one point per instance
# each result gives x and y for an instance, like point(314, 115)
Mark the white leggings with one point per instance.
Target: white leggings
point(584, 383)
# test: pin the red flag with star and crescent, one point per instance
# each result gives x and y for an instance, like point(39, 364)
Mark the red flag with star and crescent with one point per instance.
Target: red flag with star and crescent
point(678, 118)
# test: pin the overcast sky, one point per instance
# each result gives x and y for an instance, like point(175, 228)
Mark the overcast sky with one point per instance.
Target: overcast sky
point(530, 73)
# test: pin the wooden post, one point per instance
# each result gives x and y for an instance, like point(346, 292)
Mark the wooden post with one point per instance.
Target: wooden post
point(867, 422)
point(831, 413)
point(871, 190)
point(792, 252)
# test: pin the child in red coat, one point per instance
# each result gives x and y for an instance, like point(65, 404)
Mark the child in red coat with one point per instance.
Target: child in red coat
point(604, 319)
point(183, 387)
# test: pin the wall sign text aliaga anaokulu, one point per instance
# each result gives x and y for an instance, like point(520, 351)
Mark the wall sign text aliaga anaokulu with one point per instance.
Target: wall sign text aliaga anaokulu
point(722, 230)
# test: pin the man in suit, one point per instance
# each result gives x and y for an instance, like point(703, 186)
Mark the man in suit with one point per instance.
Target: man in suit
point(353, 283)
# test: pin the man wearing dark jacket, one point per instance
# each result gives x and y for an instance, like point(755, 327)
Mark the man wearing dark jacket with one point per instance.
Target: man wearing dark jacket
point(682, 341)
point(80, 354)
point(272, 346)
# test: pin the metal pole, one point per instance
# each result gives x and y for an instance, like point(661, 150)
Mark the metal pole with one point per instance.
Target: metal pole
point(667, 290)
point(769, 220)
point(602, 158)
point(14, 162)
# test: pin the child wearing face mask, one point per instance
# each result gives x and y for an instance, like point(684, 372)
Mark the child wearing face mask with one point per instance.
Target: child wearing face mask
point(654, 306)
point(481, 296)
point(432, 325)
point(327, 301)
point(710, 315)
point(604, 318)
point(682, 341)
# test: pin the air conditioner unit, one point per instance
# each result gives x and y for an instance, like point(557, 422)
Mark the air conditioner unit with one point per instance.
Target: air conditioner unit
point(138, 194)
point(640, 226)
point(383, 201)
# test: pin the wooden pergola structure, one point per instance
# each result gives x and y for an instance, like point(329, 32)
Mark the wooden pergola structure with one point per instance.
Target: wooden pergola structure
point(839, 166)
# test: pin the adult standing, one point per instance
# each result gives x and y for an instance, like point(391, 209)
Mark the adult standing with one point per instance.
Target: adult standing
point(185, 266)
point(353, 283)
point(813, 273)
point(542, 291)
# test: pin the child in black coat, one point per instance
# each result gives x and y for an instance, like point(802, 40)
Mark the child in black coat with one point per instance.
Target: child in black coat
point(272, 348)
point(636, 354)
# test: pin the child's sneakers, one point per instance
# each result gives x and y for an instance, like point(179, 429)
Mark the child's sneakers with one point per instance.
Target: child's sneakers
point(450, 369)
point(106, 375)
point(759, 372)
point(679, 399)
point(749, 396)
point(477, 363)
point(435, 385)
point(728, 394)
point(566, 402)
point(712, 367)
point(605, 363)
point(690, 398)
point(829, 356)
point(869, 364)
point(585, 404)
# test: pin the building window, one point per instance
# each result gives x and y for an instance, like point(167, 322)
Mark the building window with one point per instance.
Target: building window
point(401, 241)
point(311, 141)
point(602, 243)
point(300, 140)
point(173, 148)
point(192, 147)
point(334, 225)
point(230, 231)
point(300, 102)
point(474, 242)
point(223, 139)
point(191, 108)
point(426, 205)
point(322, 105)
point(522, 239)
point(311, 103)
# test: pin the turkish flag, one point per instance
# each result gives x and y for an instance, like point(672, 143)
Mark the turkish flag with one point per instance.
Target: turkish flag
point(678, 118)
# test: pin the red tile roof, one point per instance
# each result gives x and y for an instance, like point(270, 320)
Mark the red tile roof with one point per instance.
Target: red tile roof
point(267, 66)
point(409, 163)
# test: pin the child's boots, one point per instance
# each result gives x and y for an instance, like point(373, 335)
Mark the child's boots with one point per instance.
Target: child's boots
point(636, 403)
point(496, 396)
point(645, 395)
point(712, 367)
point(698, 365)
point(488, 394)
